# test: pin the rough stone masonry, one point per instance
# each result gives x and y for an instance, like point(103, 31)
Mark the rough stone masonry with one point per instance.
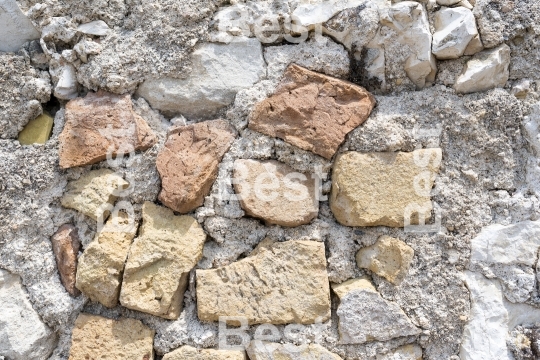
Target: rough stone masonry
point(270, 179)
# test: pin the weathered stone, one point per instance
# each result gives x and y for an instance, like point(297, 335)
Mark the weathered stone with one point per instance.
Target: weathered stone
point(383, 188)
point(448, 2)
point(96, 28)
point(66, 245)
point(475, 46)
point(190, 353)
point(366, 316)
point(260, 350)
point(23, 335)
point(159, 262)
point(188, 163)
point(96, 337)
point(94, 193)
point(219, 71)
point(312, 111)
point(16, 28)
point(388, 257)
point(101, 266)
point(407, 352)
point(65, 74)
point(275, 192)
point(455, 28)
point(486, 70)
point(101, 124)
point(308, 15)
point(278, 283)
point(37, 131)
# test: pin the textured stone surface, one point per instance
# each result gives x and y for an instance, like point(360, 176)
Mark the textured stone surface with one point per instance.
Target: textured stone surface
point(66, 245)
point(312, 111)
point(279, 283)
point(378, 188)
point(96, 337)
point(159, 262)
point(16, 27)
point(219, 71)
point(455, 28)
point(37, 131)
point(275, 192)
point(407, 352)
point(101, 124)
point(380, 319)
point(101, 266)
point(487, 70)
point(388, 257)
point(22, 334)
point(94, 192)
point(191, 353)
point(259, 350)
point(188, 164)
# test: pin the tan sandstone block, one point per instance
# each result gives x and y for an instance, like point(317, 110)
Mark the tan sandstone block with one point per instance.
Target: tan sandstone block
point(353, 284)
point(260, 350)
point(99, 124)
point(378, 188)
point(188, 163)
point(389, 257)
point(93, 192)
point(66, 245)
point(275, 192)
point(96, 337)
point(279, 283)
point(159, 262)
point(190, 353)
point(312, 111)
point(99, 274)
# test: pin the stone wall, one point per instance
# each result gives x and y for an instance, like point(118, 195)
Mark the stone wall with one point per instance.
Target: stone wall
point(285, 179)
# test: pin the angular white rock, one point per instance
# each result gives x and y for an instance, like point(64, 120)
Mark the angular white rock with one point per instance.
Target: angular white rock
point(16, 28)
point(454, 30)
point(487, 70)
point(67, 86)
point(97, 28)
point(448, 2)
point(308, 15)
point(219, 72)
point(23, 335)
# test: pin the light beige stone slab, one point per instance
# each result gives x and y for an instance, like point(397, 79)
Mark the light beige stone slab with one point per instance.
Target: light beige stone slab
point(190, 353)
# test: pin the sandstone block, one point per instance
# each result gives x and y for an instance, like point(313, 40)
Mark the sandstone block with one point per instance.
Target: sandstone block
point(101, 266)
point(372, 189)
point(23, 335)
point(188, 164)
point(96, 337)
point(37, 131)
point(486, 70)
point(93, 192)
point(190, 353)
point(275, 192)
point(101, 124)
point(16, 28)
point(159, 262)
point(364, 315)
point(455, 28)
point(66, 245)
point(219, 71)
point(279, 283)
point(259, 350)
point(388, 257)
point(312, 111)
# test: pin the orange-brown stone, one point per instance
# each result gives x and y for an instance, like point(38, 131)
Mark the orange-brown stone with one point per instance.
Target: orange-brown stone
point(66, 245)
point(188, 164)
point(101, 124)
point(312, 111)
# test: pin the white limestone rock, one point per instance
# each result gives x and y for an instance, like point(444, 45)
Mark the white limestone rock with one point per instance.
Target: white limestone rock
point(219, 72)
point(23, 335)
point(454, 30)
point(310, 14)
point(16, 28)
point(486, 70)
point(96, 28)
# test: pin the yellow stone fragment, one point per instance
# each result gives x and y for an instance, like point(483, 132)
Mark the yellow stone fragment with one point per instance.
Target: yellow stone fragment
point(37, 131)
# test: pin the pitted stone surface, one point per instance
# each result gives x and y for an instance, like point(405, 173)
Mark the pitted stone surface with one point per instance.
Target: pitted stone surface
point(279, 283)
point(188, 164)
point(275, 192)
point(159, 262)
point(191, 353)
point(259, 350)
point(312, 111)
point(101, 124)
point(381, 188)
point(66, 245)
